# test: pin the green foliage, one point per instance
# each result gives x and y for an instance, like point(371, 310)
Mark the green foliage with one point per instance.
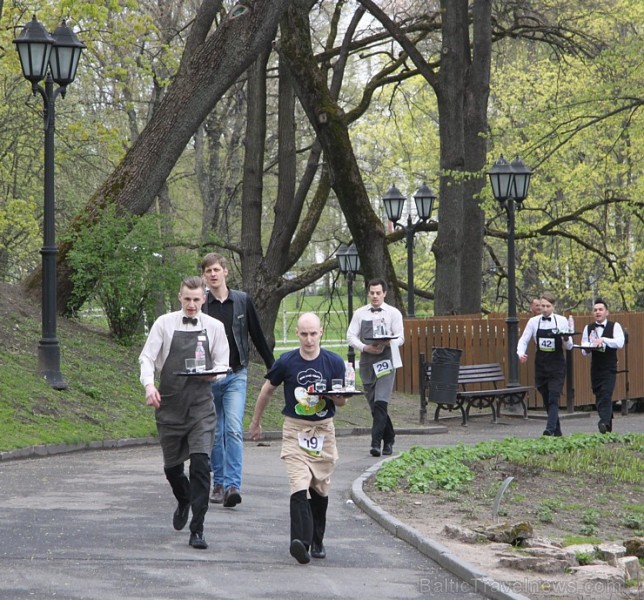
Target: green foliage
point(128, 258)
point(19, 235)
point(545, 515)
point(579, 121)
point(590, 517)
point(588, 530)
point(575, 540)
point(584, 558)
point(633, 521)
point(422, 469)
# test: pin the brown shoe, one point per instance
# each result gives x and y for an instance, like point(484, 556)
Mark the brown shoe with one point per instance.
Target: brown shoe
point(217, 496)
point(232, 497)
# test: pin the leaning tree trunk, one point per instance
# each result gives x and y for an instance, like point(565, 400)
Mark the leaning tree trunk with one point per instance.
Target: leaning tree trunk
point(330, 124)
point(209, 66)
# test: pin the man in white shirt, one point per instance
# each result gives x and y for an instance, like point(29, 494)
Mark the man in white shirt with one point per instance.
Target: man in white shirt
point(550, 363)
point(184, 409)
point(376, 330)
point(605, 337)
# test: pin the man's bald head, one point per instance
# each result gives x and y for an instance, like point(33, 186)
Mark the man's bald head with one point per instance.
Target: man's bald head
point(309, 332)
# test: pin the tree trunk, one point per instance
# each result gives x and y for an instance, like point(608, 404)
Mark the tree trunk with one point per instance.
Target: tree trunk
point(475, 131)
point(330, 124)
point(450, 92)
point(209, 66)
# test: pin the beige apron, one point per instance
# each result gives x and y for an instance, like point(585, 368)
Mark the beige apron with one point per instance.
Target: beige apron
point(299, 446)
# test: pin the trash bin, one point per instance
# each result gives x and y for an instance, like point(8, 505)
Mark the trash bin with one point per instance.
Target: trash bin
point(443, 385)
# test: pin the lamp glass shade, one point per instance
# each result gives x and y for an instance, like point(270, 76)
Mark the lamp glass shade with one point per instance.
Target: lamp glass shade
point(424, 199)
point(521, 181)
point(501, 178)
point(34, 47)
point(343, 261)
point(65, 55)
point(353, 259)
point(394, 203)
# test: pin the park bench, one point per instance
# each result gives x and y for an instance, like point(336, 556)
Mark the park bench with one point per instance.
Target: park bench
point(483, 396)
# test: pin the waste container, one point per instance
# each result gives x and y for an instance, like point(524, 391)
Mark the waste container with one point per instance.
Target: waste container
point(443, 385)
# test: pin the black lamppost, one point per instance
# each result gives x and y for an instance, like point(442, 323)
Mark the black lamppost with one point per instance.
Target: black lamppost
point(349, 262)
point(510, 184)
point(394, 203)
point(53, 58)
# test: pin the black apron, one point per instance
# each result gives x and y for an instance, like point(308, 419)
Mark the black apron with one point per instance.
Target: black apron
point(550, 363)
point(186, 417)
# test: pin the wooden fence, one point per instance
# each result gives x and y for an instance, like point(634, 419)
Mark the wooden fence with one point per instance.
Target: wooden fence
point(483, 340)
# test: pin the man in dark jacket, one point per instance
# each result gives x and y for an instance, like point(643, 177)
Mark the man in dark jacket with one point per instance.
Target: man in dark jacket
point(236, 311)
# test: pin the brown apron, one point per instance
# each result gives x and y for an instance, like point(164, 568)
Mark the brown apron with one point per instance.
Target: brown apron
point(186, 417)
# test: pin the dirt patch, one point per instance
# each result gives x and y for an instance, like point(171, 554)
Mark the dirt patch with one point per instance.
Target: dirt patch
point(556, 506)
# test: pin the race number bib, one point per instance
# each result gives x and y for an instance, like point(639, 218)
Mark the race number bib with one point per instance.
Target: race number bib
point(311, 444)
point(547, 344)
point(383, 367)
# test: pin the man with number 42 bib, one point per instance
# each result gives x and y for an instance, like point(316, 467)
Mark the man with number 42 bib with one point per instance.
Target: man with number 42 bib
point(376, 330)
point(548, 331)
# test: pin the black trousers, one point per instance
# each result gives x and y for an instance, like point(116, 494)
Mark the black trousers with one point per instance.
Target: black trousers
point(308, 517)
point(603, 384)
point(382, 429)
point(193, 491)
point(550, 374)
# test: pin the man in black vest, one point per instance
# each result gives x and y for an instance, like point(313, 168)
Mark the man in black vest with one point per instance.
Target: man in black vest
point(605, 337)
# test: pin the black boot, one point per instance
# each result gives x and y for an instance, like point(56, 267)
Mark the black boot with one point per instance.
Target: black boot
point(301, 527)
point(319, 506)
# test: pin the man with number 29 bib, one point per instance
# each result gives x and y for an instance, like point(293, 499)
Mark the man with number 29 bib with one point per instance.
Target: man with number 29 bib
point(376, 330)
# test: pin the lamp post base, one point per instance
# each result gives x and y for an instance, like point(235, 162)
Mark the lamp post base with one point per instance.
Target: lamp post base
point(49, 364)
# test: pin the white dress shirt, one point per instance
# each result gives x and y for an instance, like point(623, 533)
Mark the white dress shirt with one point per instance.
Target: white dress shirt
point(538, 322)
point(616, 342)
point(393, 321)
point(157, 346)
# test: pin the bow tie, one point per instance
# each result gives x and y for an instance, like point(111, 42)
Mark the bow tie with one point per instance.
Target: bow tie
point(194, 320)
point(599, 324)
point(375, 309)
point(547, 318)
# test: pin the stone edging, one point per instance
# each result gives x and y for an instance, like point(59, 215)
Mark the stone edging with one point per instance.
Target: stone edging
point(481, 582)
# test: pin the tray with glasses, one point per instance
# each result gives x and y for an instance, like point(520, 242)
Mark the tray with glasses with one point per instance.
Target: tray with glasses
point(336, 392)
point(209, 373)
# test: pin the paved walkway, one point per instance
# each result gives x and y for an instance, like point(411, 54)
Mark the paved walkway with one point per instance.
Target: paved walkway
point(97, 525)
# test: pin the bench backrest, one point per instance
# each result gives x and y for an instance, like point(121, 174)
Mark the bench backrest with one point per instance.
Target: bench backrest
point(474, 374)
point(471, 374)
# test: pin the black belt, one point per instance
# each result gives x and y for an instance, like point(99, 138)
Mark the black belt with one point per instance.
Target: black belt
point(237, 368)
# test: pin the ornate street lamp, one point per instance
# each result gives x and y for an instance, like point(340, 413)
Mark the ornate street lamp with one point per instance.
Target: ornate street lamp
point(510, 183)
point(349, 262)
point(53, 58)
point(394, 203)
